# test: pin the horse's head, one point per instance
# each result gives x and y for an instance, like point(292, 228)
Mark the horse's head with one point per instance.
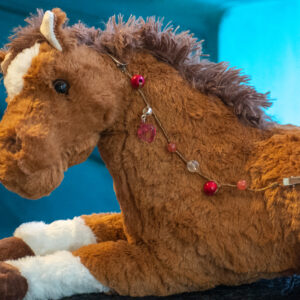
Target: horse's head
point(58, 103)
point(64, 90)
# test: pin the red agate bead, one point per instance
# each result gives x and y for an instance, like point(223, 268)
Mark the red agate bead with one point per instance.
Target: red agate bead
point(241, 185)
point(210, 187)
point(137, 81)
point(171, 147)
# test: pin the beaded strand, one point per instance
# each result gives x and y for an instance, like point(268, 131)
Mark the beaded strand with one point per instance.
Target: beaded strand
point(147, 132)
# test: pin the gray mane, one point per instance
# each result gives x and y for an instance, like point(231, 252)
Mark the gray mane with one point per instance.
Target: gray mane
point(180, 50)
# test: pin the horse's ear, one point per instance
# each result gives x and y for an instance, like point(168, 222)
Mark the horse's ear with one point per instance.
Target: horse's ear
point(2, 56)
point(51, 27)
point(3, 53)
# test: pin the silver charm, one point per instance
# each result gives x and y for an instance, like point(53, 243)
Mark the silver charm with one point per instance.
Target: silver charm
point(147, 111)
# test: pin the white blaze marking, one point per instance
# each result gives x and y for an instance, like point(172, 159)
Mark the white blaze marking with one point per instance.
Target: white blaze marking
point(16, 70)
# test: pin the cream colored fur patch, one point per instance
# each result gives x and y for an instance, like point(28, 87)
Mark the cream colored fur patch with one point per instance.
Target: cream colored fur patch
point(55, 276)
point(60, 235)
point(47, 29)
point(18, 67)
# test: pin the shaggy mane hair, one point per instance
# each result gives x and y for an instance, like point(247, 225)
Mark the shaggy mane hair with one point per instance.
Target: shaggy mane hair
point(180, 50)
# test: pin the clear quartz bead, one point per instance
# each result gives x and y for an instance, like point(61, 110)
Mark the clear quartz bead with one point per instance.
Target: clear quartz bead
point(192, 166)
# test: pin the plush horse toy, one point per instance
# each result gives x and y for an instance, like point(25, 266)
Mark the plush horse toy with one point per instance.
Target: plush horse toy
point(207, 184)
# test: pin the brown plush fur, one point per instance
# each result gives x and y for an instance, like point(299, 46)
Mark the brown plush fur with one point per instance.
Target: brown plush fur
point(2, 55)
point(106, 227)
point(176, 239)
point(12, 278)
point(180, 50)
point(14, 248)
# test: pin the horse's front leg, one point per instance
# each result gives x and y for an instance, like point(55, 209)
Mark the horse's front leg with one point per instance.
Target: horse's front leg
point(40, 239)
point(109, 266)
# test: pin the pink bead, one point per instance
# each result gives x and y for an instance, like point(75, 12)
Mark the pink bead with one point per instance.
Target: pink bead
point(137, 81)
point(241, 185)
point(146, 132)
point(171, 147)
point(210, 187)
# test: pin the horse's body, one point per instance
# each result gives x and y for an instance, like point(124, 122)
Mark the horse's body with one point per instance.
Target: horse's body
point(232, 236)
point(170, 237)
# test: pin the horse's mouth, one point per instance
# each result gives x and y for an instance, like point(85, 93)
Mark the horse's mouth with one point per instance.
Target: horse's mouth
point(31, 185)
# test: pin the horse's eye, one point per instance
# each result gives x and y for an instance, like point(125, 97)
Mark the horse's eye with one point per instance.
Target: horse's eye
point(61, 86)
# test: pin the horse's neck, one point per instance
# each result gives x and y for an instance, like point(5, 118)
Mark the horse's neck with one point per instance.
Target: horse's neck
point(202, 128)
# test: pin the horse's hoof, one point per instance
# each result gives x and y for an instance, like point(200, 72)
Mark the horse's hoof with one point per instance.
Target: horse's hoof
point(14, 248)
point(13, 286)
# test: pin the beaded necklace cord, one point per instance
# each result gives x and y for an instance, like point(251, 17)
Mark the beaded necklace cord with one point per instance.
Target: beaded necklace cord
point(147, 132)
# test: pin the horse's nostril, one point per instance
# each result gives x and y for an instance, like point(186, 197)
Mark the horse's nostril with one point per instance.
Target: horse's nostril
point(13, 144)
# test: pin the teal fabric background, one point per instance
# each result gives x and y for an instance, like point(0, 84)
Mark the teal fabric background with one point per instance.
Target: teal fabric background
point(263, 38)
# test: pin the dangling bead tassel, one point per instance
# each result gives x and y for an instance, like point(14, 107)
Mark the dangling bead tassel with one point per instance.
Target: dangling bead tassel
point(146, 132)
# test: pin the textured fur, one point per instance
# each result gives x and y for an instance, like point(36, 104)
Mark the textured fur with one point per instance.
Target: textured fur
point(55, 276)
point(170, 237)
point(182, 51)
point(47, 29)
point(18, 67)
point(59, 235)
point(106, 227)
point(14, 248)
point(11, 276)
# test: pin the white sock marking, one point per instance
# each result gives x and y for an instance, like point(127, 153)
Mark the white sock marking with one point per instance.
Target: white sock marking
point(59, 235)
point(57, 275)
